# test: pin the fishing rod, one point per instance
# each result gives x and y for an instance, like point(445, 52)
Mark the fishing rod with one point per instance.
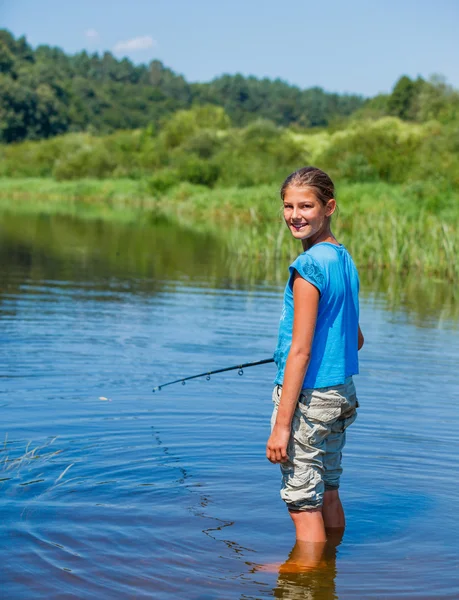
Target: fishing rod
point(207, 375)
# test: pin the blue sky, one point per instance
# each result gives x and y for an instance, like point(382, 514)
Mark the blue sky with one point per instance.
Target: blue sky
point(355, 46)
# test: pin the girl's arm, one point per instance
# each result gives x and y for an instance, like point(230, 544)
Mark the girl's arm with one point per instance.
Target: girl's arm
point(305, 302)
point(360, 339)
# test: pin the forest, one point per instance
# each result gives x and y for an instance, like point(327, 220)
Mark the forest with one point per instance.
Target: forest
point(45, 92)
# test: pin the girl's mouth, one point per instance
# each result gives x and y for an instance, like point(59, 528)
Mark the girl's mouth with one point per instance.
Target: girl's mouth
point(298, 226)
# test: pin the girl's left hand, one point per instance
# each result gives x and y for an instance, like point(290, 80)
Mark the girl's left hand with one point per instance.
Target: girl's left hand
point(276, 448)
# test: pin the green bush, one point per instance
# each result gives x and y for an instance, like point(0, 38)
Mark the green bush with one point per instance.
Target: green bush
point(198, 171)
point(204, 143)
point(438, 156)
point(87, 162)
point(355, 167)
point(184, 124)
point(37, 159)
point(386, 149)
point(162, 181)
point(261, 153)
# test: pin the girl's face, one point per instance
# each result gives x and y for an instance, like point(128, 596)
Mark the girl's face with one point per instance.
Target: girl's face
point(304, 213)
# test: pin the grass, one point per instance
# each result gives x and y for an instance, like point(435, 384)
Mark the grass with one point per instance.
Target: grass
point(402, 228)
point(40, 454)
point(121, 198)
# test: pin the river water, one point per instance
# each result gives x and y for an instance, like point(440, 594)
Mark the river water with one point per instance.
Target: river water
point(108, 490)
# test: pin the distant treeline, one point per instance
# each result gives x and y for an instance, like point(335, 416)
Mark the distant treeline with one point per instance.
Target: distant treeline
point(46, 92)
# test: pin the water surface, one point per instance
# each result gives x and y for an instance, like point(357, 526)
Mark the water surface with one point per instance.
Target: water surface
point(110, 491)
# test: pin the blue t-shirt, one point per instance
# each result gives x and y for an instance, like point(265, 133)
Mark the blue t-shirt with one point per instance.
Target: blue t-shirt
point(334, 353)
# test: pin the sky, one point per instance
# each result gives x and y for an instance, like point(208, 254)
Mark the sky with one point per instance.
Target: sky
point(355, 46)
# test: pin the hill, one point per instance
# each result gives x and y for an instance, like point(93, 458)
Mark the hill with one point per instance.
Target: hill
point(45, 92)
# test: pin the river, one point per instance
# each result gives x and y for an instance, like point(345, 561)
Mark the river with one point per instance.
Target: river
point(108, 490)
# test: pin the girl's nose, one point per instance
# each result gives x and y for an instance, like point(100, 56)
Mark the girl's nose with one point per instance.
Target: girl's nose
point(295, 212)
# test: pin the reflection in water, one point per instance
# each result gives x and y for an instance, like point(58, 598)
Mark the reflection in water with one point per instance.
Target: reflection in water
point(50, 247)
point(309, 572)
point(427, 301)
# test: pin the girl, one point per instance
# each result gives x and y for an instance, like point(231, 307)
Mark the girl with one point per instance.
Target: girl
point(316, 356)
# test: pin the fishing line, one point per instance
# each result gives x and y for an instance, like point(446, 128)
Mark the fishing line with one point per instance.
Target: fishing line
point(207, 375)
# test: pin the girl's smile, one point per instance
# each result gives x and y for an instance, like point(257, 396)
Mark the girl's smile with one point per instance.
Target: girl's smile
point(300, 226)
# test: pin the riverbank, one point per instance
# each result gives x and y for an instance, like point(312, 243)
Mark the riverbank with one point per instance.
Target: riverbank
point(385, 226)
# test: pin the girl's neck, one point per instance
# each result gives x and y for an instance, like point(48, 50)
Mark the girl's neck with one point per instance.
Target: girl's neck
point(325, 236)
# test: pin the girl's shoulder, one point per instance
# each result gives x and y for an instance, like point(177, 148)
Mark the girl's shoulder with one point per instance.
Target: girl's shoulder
point(327, 254)
point(326, 250)
point(310, 269)
point(322, 263)
point(334, 261)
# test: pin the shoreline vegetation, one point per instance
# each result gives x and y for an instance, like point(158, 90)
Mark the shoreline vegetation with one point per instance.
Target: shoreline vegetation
point(151, 252)
point(378, 222)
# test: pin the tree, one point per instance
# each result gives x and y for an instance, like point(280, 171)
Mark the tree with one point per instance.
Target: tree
point(402, 101)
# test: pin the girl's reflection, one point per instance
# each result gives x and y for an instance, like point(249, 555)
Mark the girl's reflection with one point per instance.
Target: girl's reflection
point(310, 570)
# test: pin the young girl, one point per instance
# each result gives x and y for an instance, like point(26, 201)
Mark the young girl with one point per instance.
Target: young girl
point(316, 356)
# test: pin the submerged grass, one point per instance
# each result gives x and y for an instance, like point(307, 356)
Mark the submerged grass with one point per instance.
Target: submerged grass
point(384, 226)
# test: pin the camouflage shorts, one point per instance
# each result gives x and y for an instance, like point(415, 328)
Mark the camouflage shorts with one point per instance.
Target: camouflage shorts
point(317, 438)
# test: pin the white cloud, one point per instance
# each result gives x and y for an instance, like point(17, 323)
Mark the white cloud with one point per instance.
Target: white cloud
point(138, 43)
point(91, 34)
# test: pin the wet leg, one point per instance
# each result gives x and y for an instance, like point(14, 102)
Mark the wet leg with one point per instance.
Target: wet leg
point(309, 525)
point(305, 556)
point(332, 511)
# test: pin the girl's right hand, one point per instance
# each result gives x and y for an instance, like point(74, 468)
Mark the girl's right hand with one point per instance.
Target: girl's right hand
point(276, 448)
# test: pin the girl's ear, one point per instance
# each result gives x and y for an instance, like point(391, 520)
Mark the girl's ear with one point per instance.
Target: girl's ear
point(330, 207)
